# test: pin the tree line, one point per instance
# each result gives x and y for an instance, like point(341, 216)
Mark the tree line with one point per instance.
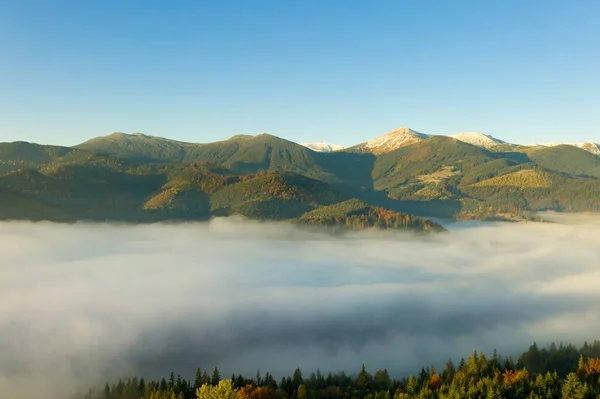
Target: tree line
point(555, 372)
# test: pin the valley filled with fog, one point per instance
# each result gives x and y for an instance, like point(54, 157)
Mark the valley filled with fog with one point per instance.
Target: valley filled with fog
point(85, 302)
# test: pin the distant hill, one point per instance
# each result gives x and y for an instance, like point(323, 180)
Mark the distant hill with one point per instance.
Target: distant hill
point(243, 154)
point(593, 148)
point(392, 181)
point(19, 155)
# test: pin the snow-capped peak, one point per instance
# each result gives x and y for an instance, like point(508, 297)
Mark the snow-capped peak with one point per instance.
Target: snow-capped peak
point(323, 147)
point(478, 139)
point(594, 148)
point(395, 139)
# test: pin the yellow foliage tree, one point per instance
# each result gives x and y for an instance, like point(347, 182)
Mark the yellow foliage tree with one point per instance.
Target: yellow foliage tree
point(225, 390)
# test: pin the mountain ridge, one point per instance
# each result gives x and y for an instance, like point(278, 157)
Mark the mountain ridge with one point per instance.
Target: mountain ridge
point(138, 177)
point(387, 142)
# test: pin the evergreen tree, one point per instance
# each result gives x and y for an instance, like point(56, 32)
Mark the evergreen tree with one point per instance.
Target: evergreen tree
point(141, 387)
point(199, 380)
point(216, 377)
point(363, 378)
point(297, 379)
point(258, 378)
point(449, 371)
point(171, 380)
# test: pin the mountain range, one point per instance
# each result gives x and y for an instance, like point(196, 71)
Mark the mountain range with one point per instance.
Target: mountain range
point(397, 180)
point(404, 136)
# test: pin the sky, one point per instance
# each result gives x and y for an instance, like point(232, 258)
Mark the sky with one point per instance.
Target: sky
point(334, 71)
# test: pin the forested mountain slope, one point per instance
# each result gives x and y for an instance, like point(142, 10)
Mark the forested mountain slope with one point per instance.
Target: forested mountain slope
point(144, 178)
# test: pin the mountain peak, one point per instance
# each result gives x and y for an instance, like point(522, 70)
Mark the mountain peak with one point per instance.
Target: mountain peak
point(478, 139)
point(323, 147)
point(395, 139)
point(594, 148)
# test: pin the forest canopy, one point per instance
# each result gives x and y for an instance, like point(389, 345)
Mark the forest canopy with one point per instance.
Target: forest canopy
point(558, 371)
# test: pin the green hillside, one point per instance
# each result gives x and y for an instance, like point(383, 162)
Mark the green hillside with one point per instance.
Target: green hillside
point(359, 215)
point(97, 190)
point(22, 155)
point(567, 159)
point(242, 154)
point(414, 163)
point(275, 195)
point(525, 178)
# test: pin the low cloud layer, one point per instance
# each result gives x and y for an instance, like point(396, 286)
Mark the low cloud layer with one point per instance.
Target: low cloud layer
point(80, 303)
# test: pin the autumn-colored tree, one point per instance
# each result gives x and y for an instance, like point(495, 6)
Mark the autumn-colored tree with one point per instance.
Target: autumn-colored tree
point(435, 382)
point(302, 394)
point(573, 388)
point(224, 390)
point(581, 366)
point(245, 392)
point(592, 368)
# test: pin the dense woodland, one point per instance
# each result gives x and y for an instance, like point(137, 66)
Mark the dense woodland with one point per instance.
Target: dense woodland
point(558, 371)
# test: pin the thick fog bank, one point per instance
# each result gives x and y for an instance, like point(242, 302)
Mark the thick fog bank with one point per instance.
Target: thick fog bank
point(79, 303)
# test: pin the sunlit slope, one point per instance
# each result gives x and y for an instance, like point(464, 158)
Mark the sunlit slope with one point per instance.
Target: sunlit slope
point(567, 159)
point(356, 214)
point(275, 195)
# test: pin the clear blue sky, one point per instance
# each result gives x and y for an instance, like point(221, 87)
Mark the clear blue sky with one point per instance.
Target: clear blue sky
point(310, 70)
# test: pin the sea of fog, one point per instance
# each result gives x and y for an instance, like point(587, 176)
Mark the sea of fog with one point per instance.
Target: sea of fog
point(81, 303)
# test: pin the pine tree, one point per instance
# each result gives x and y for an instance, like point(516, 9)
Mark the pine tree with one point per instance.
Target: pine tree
point(449, 371)
point(198, 380)
point(142, 387)
point(297, 380)
point(216, 377)
point(171, 380)
point(258, 378)
point(363, 378)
